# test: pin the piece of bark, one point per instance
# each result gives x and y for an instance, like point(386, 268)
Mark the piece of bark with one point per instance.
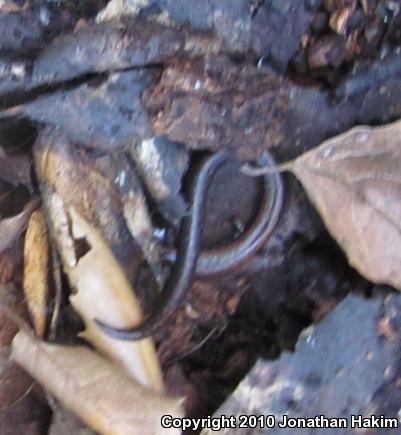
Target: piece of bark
point(15, 76)
point(277, 29)
point(346, 365)
point(290, 117)
point(26, 27)
point(212, 103)
point(366, 74)
point(21, 32)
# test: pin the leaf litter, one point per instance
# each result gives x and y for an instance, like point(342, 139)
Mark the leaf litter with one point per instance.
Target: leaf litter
point(343, 179)
point(353, 182)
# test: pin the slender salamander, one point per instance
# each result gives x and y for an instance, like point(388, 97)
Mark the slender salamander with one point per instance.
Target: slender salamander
point(190, 261)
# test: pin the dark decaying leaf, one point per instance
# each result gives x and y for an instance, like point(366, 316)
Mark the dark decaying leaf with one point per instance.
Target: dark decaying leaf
point(354, 180)
point(15, 169)
point(11, 237)
point(16, 138)
point(105, 115)
point(65, 423)
point(71, 173)
point(118, 44)
point(105, 190)
point(20, 409)
point(134, 207)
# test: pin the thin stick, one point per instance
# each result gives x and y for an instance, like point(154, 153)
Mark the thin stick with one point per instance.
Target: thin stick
point(257, 171)
point(58, 292)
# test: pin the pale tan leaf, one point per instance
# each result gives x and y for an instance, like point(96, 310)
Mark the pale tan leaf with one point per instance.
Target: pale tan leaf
point(36, 264)
point(59, 226)
point(97, 391)
point(354, 180)
point(104, 293)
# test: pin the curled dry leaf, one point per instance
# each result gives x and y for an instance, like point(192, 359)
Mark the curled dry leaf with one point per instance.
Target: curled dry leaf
point(134, 208)
point(36, 264)
point(69, 176)
point(354, 180)
point(94, 389)
point(97, 276)
point(103, 293)
point(11, 230)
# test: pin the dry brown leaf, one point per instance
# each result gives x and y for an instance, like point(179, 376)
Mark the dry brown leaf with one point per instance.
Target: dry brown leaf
point(94, 389)
point(22, 407)
point(15, 169)
point(36, 264)
point(354, 180)
point(104, 293)
point(66, 423)
point(14, 382)
point(11, 228)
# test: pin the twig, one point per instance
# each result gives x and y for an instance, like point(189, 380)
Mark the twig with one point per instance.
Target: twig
point(58, 292)
point(257, 171)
